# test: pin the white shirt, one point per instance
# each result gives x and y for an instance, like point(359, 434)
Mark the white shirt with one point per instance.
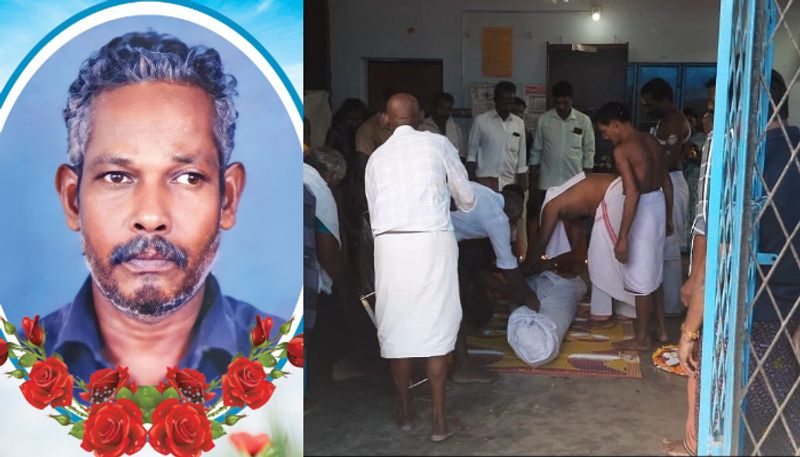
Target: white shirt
point(497, 146)
point(327, 213)
point(452, 132)
point(409, 180)
point(487, 220)
point(564, 148)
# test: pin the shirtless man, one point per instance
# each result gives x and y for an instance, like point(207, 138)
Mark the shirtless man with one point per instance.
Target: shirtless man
point(673, 132)
point(646, 216)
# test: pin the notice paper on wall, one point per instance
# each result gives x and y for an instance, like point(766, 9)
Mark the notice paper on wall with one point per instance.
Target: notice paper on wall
point(497, 46)
point(535, 96)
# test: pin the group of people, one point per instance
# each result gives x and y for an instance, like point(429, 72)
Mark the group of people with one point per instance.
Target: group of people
point(448, 223)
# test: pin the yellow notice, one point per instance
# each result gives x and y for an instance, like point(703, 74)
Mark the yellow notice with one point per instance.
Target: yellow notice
point(497, 55)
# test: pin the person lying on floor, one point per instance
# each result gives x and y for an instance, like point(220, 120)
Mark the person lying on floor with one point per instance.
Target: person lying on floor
point(484, 236)
point(600, 195)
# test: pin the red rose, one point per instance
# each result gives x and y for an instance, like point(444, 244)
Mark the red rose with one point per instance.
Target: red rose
point(162, 386)
point(260, 332)
point(33, 331)
point(181, 429)
point(245, 383)
point(49, 384)
point(252, 444)
point(113, 429)
point(191, 384)
point(104, 384)
point(3, 351)
point(295, 350)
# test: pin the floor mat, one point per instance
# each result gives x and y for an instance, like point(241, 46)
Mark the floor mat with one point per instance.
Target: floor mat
point(585, 351)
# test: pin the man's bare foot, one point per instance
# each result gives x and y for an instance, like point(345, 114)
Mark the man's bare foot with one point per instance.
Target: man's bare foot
point(440, 430)
point(599, 325)
point(472, 375)
point(633, 345)
point(673, 447)
point(661, 335)
point(403, 418)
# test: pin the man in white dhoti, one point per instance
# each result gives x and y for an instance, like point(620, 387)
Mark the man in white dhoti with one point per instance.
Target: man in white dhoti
point(673, 132)
point(599, 196)
point(646, 216)
point(410, 180)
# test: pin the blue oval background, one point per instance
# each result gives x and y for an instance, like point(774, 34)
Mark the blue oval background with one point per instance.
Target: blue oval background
point(42, 267)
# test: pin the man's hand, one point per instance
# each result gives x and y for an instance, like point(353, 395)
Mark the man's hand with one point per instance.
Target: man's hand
point(670, 227)
point(532, 302)
point(687, 290)
point(686, 348)
point(621, 249)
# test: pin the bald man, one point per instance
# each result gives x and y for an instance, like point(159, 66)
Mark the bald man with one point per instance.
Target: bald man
point(409, 182)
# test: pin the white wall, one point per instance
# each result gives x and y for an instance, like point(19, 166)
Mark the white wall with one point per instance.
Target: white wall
point(656, 30)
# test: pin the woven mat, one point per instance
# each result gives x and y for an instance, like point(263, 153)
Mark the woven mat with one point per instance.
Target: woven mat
point(586, 350)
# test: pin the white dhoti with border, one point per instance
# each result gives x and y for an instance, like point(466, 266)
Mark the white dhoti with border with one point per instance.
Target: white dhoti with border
point(605, 271)
point(418, 307)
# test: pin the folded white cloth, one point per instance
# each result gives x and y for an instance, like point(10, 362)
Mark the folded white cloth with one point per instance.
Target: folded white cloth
point(559, 243)
point(680, 209)
point(536, 337)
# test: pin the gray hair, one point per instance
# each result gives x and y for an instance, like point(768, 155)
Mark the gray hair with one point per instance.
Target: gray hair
point(327, 160)
point(137, 57)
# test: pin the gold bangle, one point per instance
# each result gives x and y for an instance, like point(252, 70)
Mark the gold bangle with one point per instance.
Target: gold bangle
point(690, 335)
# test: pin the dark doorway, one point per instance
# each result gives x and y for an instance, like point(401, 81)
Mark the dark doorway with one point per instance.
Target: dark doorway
point(598, 74)
point(420, 78)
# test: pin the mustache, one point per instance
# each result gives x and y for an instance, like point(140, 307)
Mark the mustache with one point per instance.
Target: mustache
point(140, 244)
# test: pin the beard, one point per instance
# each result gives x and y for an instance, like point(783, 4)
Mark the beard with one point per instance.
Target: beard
point(149, 301)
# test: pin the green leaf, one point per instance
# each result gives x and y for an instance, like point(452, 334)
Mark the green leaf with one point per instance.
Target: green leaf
point(147, 416)
point(62, 419)
point(285, 327)
point(281, 354)
point(27, 360)
point(170, 393)
point(233, 419)
point(77, 430)
point(147, 397)
point(19, 374)
point(280, 346)
point(216, 430)
point(125, 393)
point(267, 360)
point(276, 374)
point(9, 327)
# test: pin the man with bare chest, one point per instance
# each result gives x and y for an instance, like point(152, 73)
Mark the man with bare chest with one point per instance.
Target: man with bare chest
point(673, 133)
point(646, 216)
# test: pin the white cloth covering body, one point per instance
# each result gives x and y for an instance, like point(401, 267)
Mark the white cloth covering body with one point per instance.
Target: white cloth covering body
point(536, 336)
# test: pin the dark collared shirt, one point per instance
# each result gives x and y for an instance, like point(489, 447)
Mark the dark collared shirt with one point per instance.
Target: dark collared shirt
point(221, 331)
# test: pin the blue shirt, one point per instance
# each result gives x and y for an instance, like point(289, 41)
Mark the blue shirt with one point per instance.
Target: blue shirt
point(785, 280)
point(221, 331)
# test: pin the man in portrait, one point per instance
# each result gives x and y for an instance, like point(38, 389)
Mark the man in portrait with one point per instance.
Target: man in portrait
point(149, 187)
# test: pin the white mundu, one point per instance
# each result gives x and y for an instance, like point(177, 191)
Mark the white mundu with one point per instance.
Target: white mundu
point(644, 271)
point(605, 271)
point(409, 181)
point(674, 244)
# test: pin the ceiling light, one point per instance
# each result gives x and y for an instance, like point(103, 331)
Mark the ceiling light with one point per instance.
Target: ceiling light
point(595, 13)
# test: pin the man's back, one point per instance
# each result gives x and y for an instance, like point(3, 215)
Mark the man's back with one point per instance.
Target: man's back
point(407, 180)
point(646, 159)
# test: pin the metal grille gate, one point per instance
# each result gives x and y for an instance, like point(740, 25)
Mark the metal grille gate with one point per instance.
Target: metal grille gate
point(750, 382)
